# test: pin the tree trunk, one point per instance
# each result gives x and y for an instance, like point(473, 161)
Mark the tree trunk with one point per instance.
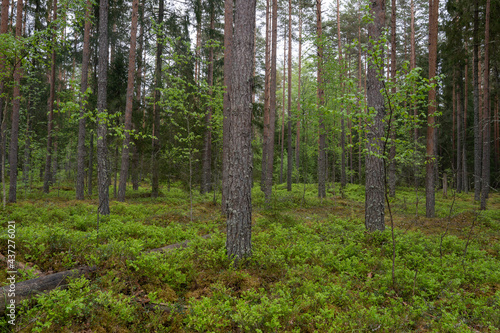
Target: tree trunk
point(465, 178)
point(206, 182)
point(289, 125)
point(343, 178)
point(485, 172)
point(297, 140)
point(91, 164)
point(375, 175)
point(283, 107)
point(129, 103)
point(228, 41)
point(477, 131)
point(16, 96)
point(445, 185)
point(102, 127)
point(156, 109)
point(239, 198)
point(272, 105)
point(459, 140)
point(266, 117)
point(3, 108)
point(321, 102)
point(80, 174)
point(392, 149)
point(431, 123)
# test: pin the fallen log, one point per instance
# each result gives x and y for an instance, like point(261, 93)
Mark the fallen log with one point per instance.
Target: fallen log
point(14, 293)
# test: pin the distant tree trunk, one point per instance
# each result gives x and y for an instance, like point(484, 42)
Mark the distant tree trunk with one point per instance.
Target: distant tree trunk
point(206, 182)
point(266, 117)
point(289, 125)
point(156, 108)
point(343, 178)
point(129, 103)
point(50, 110)
point(297, 140)
point(497, 130)
point(431, 130)
point(91, 164)
point(16, 96)
point(228, 41)
point(321, 102)
point(453, 102)
point(477, 131)
point(392, 151)
point(80, 173)
point(239, 221)
point(445, 185)
point(3, 108)
point(465, 178)
point(27, 149)
point(283, 107)
point(272, 105)
point(485, 174)
point(459, 138)
point(375, 175)
point(102, 126)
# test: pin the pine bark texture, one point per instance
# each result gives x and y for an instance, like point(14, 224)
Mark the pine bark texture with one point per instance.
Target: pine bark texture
point(129, 104)
point(375, 173)
point(267, 81)
point(80, 173)
point(343, 176)
point(102, 120)
point(430, 194)
point(16, 105)
point(289, 123)
point(392, 149)
point(239, 199)
point(297, 140)
point(3, 108)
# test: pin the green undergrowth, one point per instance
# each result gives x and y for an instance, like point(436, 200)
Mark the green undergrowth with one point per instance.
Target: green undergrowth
point(313, 267)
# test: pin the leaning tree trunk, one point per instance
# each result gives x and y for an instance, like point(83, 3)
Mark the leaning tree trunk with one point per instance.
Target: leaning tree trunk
point(80, 174)
point(239, 199)
point(375, 173)
point(129, 104)
point(102, 127)
point(430, 195)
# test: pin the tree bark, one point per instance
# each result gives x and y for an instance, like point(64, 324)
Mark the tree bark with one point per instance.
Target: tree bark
point(16, 104)
point(392, 149)
point(80, 174)
point(102, 120)
point(239, 198)
point(129, 103)
point(343, 177)
point(228, 41)
point(3, 108)
point(266, 117)
point(430, 194)
point(477, 131)
point(485, 172)
point(465, 178)
point(459, 140)
point(283, 107)
point(321, 102)
point(297, 140)
point(375, 173)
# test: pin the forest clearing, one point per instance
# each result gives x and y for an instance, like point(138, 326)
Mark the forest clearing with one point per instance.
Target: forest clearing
point(313, 265)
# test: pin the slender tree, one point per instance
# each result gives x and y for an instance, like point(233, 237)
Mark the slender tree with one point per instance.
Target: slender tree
point(392, 151)
point(80, 174)
point(299, 83)
point(477, 131)
point(289, 123)
point(267, 83)
point(321, 102)
point(129, 103)
point(102, 121)
point(431, 122)
point(239, 198)
point(228, 42)
point(485, 172)
point(16, 103)
point(343, 177)
point(375, 173)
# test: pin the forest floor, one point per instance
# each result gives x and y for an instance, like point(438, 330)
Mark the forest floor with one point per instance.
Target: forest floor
point(313, 267)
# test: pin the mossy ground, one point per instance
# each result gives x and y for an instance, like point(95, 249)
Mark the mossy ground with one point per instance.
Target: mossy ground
point(313, 268)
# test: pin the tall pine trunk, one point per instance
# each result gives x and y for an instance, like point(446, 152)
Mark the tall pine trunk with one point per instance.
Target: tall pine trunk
point(289, 125)
point(267, 80)
point(430, 194)
point(392, 149)
point(343, 177)
point(297, 140)
point(102, 121)
point(485, 172)
point(239, 200)
point(375, 173)
point(321, 102)
point(80, 173)
point(477, 130)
